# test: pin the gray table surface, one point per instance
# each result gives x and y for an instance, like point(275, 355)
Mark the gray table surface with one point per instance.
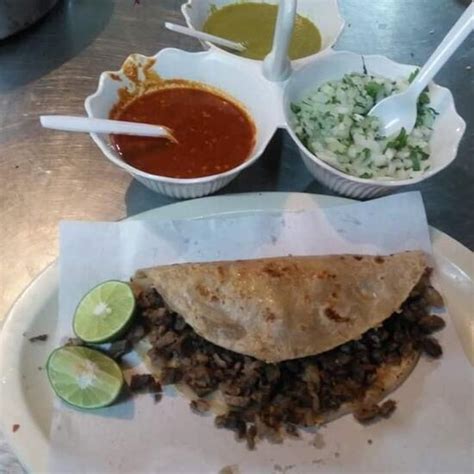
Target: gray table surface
point(50, 68)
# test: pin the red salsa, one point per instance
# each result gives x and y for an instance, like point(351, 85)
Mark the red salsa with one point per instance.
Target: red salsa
point(213, 133)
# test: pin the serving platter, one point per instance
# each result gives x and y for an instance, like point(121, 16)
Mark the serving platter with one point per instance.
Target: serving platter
point(26, 399)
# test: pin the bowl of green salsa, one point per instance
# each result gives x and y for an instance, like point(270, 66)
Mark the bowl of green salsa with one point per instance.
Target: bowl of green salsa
point(317, 26)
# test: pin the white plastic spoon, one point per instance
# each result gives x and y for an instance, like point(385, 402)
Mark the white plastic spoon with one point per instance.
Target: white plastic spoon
point(399, 111)
point(93, 125)
point(200, 35)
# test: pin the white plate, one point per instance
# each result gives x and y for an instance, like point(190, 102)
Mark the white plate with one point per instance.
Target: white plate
point(25, 396)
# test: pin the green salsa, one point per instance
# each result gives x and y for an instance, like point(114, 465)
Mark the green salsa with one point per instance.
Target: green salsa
point(254, 25)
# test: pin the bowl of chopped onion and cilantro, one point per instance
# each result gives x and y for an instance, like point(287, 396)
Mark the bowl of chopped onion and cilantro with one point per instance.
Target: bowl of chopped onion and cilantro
point(327, 105)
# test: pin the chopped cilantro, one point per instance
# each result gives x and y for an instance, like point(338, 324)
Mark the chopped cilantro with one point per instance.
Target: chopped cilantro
point(348, 80)
point(373, 88)
point(423, 155)
point(399, 142)
point(295, 108)
point(424, 98)
point(412, 76)
point(415, 160)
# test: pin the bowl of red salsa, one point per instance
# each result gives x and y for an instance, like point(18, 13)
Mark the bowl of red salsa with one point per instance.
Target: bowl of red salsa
point(212, 105)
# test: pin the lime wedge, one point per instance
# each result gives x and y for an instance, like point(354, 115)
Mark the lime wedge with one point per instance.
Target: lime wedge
point(104, 312)
point(83, 377)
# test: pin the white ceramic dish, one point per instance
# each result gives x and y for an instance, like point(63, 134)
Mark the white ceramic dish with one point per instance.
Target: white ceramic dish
point(448, 129)
point(25, 396)
point(245, 84)
point(325, 14)
point(269, 105)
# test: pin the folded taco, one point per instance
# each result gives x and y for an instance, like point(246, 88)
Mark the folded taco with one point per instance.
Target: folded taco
point(275, 344)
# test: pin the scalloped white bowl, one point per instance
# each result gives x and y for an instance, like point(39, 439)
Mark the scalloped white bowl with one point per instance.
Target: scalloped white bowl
point(246, 85)
point(269, 105)
point(325, 14)
point(448, 128)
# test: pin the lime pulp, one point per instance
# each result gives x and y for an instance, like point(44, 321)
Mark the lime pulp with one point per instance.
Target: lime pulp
point(104, 312)
point(84, 377)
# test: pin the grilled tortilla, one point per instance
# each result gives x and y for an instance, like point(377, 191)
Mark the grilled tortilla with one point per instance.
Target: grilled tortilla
point(271, 345)
point(285, 308)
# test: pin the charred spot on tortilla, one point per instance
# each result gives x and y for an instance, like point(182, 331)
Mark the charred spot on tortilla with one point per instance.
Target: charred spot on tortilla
point(269, 316)
point(221, 271)
point(202, 290)
point(325, 275)
point(335, 316)
point(273, 271)
point(314, 363)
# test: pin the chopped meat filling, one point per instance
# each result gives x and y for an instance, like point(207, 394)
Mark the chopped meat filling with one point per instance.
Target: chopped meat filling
point(368, 413)
point(200, 406)
point(267, 400)
point(144, 383)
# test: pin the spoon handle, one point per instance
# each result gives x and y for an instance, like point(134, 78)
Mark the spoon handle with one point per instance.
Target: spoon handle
point(200, 35)
point(93, 125)
point(458, 33)
point(277, 64)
